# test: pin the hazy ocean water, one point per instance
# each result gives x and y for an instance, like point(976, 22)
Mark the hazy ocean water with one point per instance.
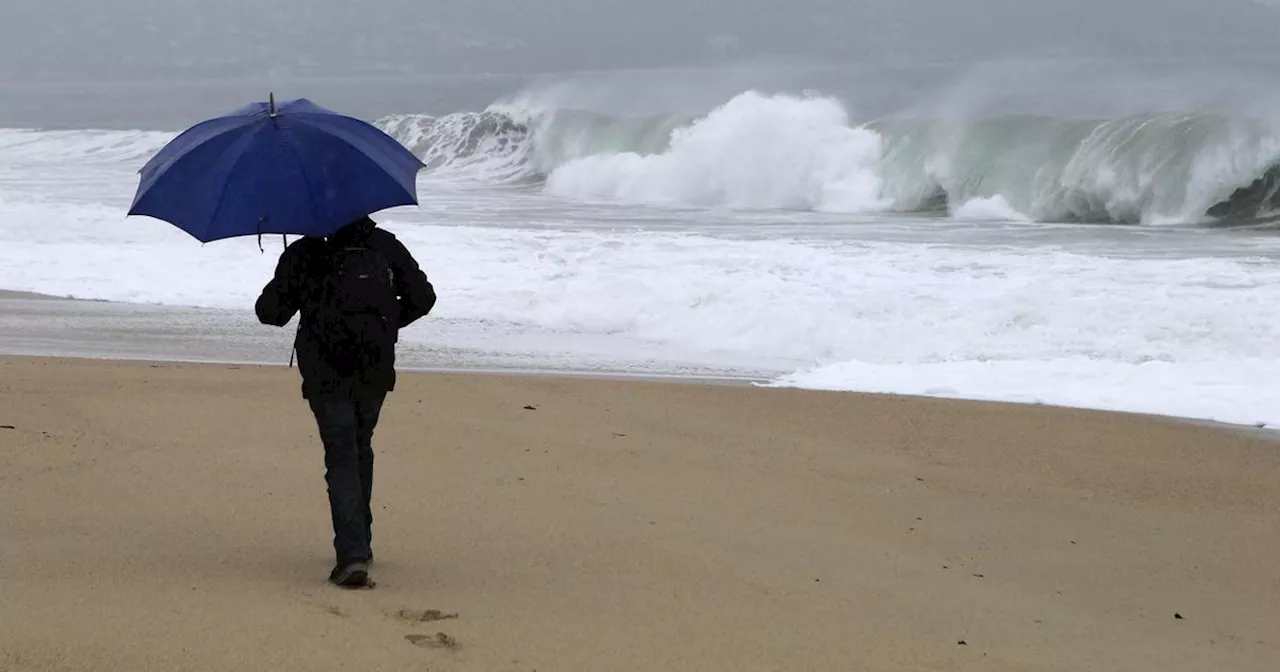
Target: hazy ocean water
point(828, 234)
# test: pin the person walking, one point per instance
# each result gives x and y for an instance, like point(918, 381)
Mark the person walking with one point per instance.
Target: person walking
point(355, 290)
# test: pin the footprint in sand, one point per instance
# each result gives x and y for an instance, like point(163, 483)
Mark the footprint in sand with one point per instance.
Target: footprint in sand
point(436, 641)
point(424, 615)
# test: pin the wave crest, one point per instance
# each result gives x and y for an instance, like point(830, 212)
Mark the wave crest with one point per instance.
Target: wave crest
point(790, 152)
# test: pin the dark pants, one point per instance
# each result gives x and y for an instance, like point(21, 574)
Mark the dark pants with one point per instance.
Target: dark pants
point(346, 429)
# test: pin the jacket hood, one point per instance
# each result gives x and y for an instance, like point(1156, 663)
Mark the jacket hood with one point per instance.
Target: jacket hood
point(354, 232)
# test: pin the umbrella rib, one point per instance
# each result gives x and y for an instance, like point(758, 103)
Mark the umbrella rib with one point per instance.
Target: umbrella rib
point(339, 134)
point(302, 167)
point(222, 198)
point(172, 158)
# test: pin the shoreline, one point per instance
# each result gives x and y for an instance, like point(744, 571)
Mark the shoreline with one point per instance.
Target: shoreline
point(39, 325)
point(113, 331)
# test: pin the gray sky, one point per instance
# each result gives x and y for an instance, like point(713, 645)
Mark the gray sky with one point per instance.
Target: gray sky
point(78, 40)
point(168, 63)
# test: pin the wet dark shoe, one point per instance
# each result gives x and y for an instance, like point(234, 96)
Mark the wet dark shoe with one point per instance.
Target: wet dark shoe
point(351, 574)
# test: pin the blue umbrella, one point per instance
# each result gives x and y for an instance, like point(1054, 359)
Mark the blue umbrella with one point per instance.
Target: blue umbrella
point(294, 169)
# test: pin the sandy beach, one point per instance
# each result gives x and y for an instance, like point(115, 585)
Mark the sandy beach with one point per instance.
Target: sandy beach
point(172, 517)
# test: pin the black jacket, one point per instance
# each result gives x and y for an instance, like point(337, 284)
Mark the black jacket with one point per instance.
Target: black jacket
point(294, 289)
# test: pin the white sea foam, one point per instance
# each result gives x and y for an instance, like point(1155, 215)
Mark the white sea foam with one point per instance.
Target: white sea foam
point(761, 151)
point(551, 278)
point(990, 209)
point(754, 152)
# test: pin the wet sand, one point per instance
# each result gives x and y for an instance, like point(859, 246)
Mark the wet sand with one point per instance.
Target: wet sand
point(40, 325)
point(172, 517)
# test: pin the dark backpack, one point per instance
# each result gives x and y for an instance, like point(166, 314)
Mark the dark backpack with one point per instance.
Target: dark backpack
point(357, 312)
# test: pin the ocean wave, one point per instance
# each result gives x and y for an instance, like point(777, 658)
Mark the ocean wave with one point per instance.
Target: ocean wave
point(28, 148)
point(807, 153)
point(779, 152)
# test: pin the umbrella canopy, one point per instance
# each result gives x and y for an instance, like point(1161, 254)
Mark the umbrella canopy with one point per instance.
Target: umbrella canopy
point(297, 168)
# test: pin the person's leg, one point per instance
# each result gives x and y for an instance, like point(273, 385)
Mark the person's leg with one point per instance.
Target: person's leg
point(367, 412)
point(337, 422)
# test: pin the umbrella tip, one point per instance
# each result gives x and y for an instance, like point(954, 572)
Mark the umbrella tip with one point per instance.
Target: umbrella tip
point(271, 97)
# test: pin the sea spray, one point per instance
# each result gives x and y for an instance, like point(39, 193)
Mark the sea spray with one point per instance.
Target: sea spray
point(785, 152)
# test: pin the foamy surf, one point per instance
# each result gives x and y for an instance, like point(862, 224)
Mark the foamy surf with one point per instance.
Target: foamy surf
point(989, 209)
point(754, 152)
point(758, 270)
point(788, 152)
point(1191, 336)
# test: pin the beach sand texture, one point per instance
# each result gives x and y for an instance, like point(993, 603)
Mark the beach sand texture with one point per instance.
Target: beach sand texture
point(172, 517)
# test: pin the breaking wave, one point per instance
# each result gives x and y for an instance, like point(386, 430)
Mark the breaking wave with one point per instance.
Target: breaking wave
point(807, 153)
